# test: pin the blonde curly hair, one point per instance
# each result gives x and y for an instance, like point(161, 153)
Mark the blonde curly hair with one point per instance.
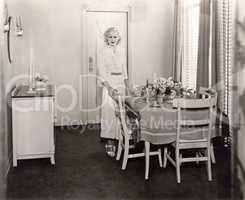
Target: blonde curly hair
point(109, 31)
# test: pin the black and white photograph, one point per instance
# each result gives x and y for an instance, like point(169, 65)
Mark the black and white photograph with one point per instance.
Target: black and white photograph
point(122, 99)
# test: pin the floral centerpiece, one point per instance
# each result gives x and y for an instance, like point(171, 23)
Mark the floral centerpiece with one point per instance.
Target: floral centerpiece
point(165, 88)
point(162, 87)
point(41, 81)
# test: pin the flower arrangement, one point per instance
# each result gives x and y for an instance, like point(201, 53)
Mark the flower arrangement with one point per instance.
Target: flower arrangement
point(163, 87)
point(41, 80)
point(167, 87)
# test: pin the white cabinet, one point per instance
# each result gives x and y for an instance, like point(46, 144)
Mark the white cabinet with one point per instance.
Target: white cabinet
point(33, 125)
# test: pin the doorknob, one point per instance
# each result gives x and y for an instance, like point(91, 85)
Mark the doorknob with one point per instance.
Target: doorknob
point(90, 64)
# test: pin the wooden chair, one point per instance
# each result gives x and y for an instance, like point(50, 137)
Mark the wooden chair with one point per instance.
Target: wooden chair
point(208, 93)
point(155, 131)
point(125, 137)
point(193, 132)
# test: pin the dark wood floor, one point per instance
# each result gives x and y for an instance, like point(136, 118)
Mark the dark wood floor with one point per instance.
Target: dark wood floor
point(83, 171)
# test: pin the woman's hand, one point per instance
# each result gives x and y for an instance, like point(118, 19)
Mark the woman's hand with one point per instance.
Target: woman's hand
point(113, 92)
point(106, 84)
point(129, 88)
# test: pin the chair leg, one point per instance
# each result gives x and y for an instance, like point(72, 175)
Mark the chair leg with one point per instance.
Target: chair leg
point(147, 159)
point(177, 159)
point(165, 159)
point(119, 150)
point(197, 156)
point(209, 165)
point(212, 153)
point(125, 155)
point(160, 157)
point(180, 161)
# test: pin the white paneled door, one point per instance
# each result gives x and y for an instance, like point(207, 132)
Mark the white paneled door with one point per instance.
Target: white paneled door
point(96, 24)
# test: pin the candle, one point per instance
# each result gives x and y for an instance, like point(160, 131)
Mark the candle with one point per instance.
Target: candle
point(31, 56)
point(31, 70)
point(30, 67)
point(33, 76)
point(154, 77)
point(20, 24)
point(147, 95)
point(30, 73)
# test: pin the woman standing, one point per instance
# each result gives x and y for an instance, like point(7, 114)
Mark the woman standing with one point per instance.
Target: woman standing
point(112, 68)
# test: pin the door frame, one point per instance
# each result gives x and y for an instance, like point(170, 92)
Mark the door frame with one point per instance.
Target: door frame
point(95, 8)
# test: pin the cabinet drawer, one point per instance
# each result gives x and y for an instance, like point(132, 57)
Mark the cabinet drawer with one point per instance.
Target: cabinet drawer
point(32, 104)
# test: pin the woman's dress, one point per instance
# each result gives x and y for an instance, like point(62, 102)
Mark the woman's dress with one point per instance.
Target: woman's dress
point(112, 68)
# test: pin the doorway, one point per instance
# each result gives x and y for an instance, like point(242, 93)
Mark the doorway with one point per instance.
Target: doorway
point(96, 22)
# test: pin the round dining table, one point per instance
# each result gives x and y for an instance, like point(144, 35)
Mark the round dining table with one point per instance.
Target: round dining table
point(158, 121)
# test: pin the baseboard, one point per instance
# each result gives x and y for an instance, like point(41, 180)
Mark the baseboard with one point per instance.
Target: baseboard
point(79, 125)
point(75, 123)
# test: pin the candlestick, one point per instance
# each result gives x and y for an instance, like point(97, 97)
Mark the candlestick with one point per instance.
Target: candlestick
point(31, 71)
point(147, 95)
point(30, 74)
point(31, 56)
point(33, 76)
point(154, 77)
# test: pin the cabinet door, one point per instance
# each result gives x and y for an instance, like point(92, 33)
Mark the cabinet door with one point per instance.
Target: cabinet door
point(33, 129)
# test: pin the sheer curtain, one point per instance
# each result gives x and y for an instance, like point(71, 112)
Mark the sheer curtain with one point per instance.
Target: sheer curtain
point(225, 59)
point(186, 40)
point(192, 54)
point(207, 47)
point(225, 50)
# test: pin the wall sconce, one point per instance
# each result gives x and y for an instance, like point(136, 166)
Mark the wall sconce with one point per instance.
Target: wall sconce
point(7, 28)
point(7, 20)
point(19, 30)
point(7, 23)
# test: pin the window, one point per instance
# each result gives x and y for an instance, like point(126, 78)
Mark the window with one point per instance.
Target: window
point(190, 37)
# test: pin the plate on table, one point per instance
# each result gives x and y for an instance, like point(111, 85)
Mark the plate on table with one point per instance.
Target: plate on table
point(140, 100)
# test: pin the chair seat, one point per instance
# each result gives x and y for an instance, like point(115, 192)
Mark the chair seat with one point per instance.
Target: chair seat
point(192, 145)
point(158, 137)
point(166, 136)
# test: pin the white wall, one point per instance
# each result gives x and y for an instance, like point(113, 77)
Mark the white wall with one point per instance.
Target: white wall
point(2, 112)
point(54, 28)
point(5, 127)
